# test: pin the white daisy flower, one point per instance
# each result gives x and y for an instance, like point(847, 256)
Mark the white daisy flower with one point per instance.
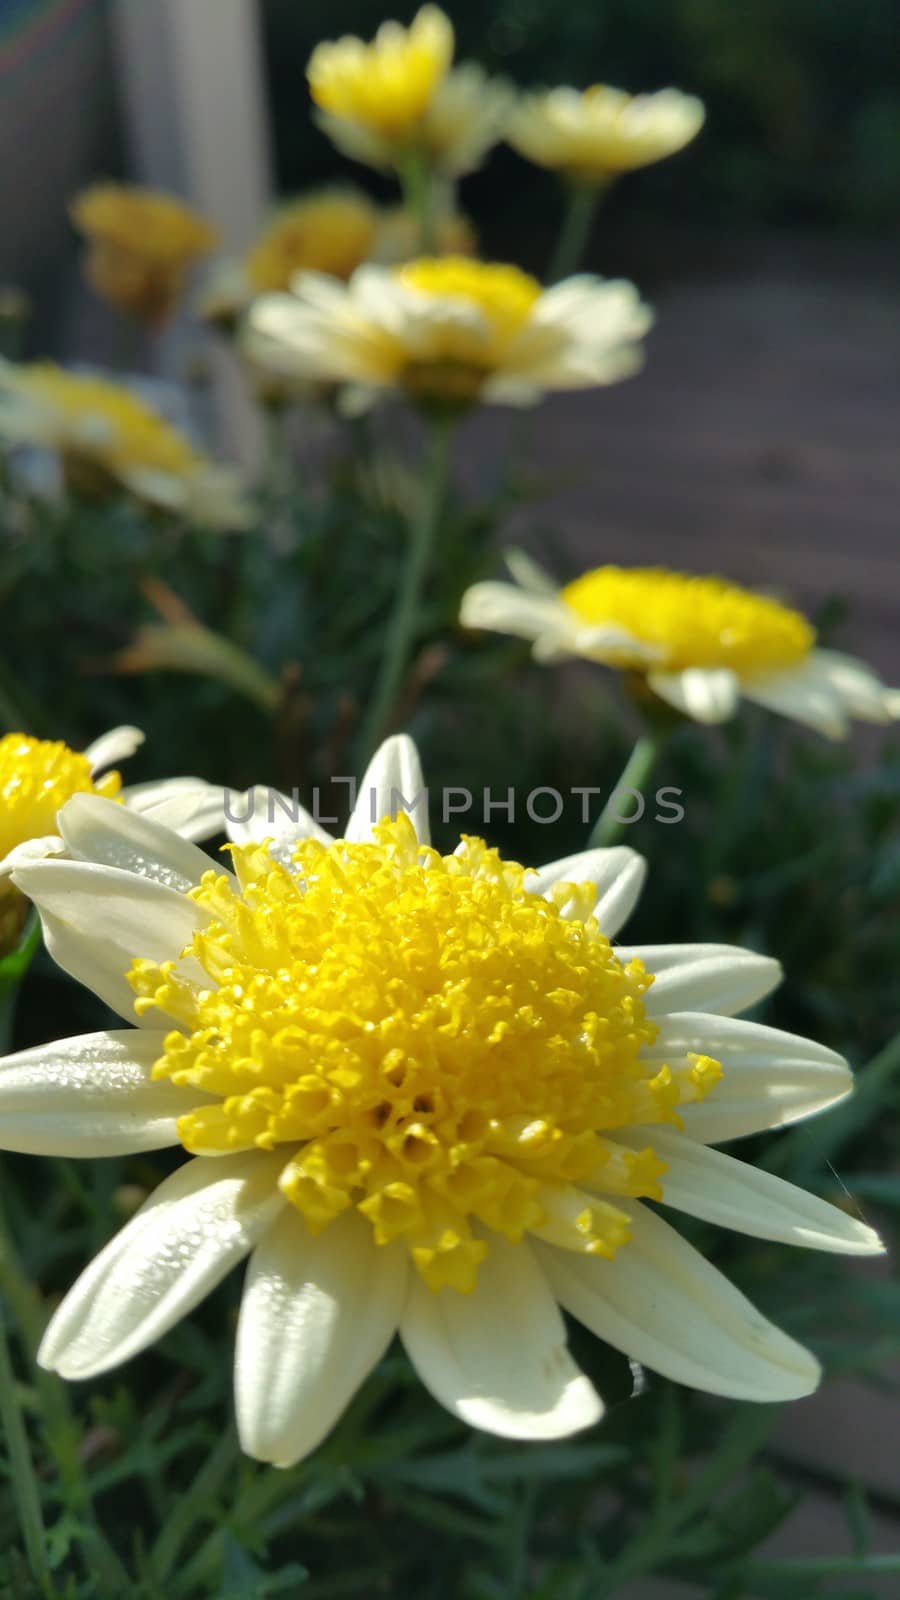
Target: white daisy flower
point(703, 644)
point(106, 439)
point(421, 1093)
point(593, 135)
point(399, 97)
point(451, 331)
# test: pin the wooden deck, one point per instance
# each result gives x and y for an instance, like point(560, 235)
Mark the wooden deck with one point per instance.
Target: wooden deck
point(761, 441)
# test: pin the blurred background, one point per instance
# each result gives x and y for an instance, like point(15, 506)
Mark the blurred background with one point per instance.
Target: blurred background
point(767, 414)
point(761, 440)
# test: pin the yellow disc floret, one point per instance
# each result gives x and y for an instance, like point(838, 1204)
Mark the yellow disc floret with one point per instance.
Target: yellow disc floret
point(37, 776)
point(693, 622)
point(387, 85)
point(431, 1043)
point(332, 232)
point(478, 309)
point(93, 420)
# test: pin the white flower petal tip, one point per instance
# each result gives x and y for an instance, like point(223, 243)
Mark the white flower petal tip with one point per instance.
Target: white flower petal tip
point(90, 1096)
point(732, 1194)
point(317, 1313)
point(524, 1387)
point(662, 1304)
point(191, 807)
point(112, 747)
point(197, 1225)
point(393, 782)
point(771, 1079)
point(704, 977)
point(618, 875)
point(31, 850)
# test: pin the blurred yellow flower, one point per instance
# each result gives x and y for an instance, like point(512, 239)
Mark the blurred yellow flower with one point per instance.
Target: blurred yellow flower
point(399, 96)
point(595, 135)
point(329, 231)
point(702, 643)
point(451, 331)
point(107, 438)
point(141, 245)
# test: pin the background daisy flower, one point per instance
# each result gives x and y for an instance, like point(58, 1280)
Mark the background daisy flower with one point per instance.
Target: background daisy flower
point(38, 776)
point(593, 135)
point(141, 246)
point(703, 644)
point(399, 96)
point(108, 439)
point(453, 331)
point(422, 1093)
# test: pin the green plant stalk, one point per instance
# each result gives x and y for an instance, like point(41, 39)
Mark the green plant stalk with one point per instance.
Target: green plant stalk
point(57, 1419)
point(25, 1490)
point(402, 625)
point(581, 209)
point(13, 970)
point(609, 827)
point(419, 196)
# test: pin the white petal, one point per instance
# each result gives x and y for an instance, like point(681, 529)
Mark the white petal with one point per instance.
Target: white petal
point(801, 694)
point(264, 813)
point(703, 977)
point(497, 1358)
point(707, 695)
point(528, 575)
point(770, 1078)
point(90, 1096)
point(113, 747)
point(106, 833)
point(714, 1186)
point(317, 1313)
point(663, 1305)
point(392, 783)
point(97, 919)
point(618, 874)
point(196, 1226)
point(188, 806)
point(859, 689)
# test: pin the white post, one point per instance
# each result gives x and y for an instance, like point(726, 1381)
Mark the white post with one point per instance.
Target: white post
point(194, 103)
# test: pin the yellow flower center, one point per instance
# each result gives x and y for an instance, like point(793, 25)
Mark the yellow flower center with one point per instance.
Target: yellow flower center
point(141, 244)
point(389, 84)
point(432, 1044)
point(479, 311)
point(694, 622)
point(101, 422)
point(328, 233)
point(36, 778)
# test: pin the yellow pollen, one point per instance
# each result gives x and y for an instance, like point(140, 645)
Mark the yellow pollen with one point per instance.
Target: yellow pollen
point(428, 1041)
point(694, 622)
point(387, 85)
point(36, 778)
point(329, 232)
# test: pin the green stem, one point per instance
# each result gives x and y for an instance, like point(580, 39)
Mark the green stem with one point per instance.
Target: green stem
point(58, 1421)
point(610, 824)
point(419, 197)
point(581, 208)
point(26, 1492)
point(13, 969)
point(402, 625)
